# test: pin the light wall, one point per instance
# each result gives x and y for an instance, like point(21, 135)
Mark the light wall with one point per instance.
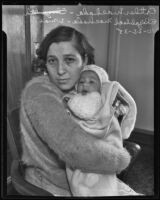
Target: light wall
point(136, 73)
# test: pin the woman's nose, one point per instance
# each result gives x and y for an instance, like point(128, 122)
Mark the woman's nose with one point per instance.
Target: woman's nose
point(61, 69)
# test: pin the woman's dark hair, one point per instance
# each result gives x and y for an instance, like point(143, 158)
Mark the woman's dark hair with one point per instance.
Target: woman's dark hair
point(63, 34)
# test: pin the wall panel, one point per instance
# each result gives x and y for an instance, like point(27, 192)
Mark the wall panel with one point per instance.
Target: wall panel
point(18, 71)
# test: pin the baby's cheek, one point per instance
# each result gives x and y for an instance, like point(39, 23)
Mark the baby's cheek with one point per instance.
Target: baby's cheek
point(79, 89)
point(93, 89)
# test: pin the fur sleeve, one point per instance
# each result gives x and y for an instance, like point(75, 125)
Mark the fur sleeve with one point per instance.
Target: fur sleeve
point(74, 146)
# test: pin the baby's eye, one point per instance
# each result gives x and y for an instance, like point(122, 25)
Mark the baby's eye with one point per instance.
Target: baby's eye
point(92, 81)
point(81, 82)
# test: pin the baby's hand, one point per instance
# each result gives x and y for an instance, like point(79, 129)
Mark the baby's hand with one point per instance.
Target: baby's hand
point(66, 99)
point(123, 109)
point(75, 180)
point(81, 183)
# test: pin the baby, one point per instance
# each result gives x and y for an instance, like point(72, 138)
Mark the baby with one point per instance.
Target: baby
point(87, 102)
point(93, 105)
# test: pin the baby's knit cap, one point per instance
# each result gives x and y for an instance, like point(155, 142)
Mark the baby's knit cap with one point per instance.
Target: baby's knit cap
point(102, 74)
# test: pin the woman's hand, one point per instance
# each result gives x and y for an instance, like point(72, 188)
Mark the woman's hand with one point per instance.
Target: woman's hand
point(78, 149)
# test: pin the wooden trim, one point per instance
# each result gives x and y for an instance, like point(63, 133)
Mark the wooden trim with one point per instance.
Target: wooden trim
point(37, 33)
point(27, 39)
point(113, 49)
point(11, 142)
point(143, 137)
point(143, 131)
point(9, 180)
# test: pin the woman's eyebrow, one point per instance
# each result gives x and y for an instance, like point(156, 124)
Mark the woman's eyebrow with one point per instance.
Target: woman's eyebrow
point(51, 56)
point(70, 55)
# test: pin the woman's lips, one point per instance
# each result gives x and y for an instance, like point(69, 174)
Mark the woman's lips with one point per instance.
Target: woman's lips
point(61, 81)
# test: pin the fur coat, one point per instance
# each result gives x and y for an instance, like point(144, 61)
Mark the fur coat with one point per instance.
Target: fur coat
point(51, 139)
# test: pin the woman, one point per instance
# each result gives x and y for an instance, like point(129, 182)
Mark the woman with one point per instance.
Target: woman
point(50, 138)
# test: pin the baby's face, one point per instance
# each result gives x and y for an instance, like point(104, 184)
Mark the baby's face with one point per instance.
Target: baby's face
point(88, 82)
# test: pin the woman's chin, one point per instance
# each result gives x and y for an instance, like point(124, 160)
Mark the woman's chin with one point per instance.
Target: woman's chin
point(64, 87)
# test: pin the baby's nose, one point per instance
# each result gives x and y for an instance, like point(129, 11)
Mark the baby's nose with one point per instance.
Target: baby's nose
point(85, 89)
point(85, 86)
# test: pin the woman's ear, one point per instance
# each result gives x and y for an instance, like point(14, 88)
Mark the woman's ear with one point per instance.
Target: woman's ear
point(85, 62)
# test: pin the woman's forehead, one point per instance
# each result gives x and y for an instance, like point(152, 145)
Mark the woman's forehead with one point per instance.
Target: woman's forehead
point(62, 48)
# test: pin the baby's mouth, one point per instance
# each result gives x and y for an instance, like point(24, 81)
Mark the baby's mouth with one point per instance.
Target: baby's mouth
point(84, 92)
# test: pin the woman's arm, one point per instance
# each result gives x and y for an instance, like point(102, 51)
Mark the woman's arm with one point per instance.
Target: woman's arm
point(73, 145)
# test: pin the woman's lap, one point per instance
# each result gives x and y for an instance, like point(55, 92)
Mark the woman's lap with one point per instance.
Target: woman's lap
point(34, 176)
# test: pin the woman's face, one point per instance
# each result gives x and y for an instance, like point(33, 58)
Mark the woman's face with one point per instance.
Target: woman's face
point(64, 64)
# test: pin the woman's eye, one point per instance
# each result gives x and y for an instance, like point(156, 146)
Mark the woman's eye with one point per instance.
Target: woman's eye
point(51, 61)
point(69, 60)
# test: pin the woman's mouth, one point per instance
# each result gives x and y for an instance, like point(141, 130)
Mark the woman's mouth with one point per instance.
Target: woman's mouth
point(62, 81)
